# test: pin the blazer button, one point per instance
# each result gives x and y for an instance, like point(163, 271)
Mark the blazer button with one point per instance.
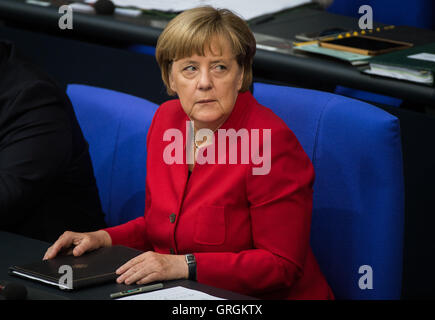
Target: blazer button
point(172, 217)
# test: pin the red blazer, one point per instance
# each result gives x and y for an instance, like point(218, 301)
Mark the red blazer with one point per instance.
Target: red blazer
point(249, 233)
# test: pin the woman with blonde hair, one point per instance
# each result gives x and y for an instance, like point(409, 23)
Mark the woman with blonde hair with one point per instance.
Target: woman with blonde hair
point(219, 222)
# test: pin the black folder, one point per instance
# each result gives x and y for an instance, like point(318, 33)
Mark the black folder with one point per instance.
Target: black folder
point(92, 268)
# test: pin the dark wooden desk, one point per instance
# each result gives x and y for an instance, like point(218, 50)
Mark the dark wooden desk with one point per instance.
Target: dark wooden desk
point(16, 249)
point(296, 70)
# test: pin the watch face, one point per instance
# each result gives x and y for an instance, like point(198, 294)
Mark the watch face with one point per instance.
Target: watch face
point(190, 258)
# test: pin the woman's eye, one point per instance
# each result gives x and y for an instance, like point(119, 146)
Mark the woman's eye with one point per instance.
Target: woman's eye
point(189, 69)
point(220, 67)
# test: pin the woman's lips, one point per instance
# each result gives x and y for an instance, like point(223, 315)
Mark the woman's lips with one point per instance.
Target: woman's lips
point(205, 101)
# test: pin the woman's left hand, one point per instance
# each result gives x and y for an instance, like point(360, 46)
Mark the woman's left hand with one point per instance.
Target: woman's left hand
point(151, 266)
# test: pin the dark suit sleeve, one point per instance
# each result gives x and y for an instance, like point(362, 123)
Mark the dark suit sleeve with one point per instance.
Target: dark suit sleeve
point(35, 146)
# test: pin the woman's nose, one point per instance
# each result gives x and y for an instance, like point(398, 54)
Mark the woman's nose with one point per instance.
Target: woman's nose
point(204, 81)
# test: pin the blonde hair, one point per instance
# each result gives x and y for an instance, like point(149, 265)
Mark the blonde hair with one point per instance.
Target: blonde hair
point(192, 31)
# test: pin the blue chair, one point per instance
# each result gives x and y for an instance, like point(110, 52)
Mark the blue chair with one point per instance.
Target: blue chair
point(115, 126)
point(417, 13)
point(144, 49)
point(367, 96)
point(358, 206)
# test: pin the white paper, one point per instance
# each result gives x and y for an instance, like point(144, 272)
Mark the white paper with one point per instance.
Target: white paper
point(62, 286)
point(423, 56)
point(175, 293)
point(128, 12)
point(247, 9)
point(401, 73)
point(38, 3)
point(81, 7)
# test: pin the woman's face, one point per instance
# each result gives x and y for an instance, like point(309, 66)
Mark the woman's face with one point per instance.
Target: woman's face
point(207, 86)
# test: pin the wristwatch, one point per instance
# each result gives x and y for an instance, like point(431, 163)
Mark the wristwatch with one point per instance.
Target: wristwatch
point(191, 264)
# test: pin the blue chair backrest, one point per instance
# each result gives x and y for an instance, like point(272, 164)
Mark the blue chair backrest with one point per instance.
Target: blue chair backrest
point(115, 126)
point(358, 205)
point(417, 13)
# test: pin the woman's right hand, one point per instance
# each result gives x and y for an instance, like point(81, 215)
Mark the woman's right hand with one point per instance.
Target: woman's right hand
point(79, 243)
